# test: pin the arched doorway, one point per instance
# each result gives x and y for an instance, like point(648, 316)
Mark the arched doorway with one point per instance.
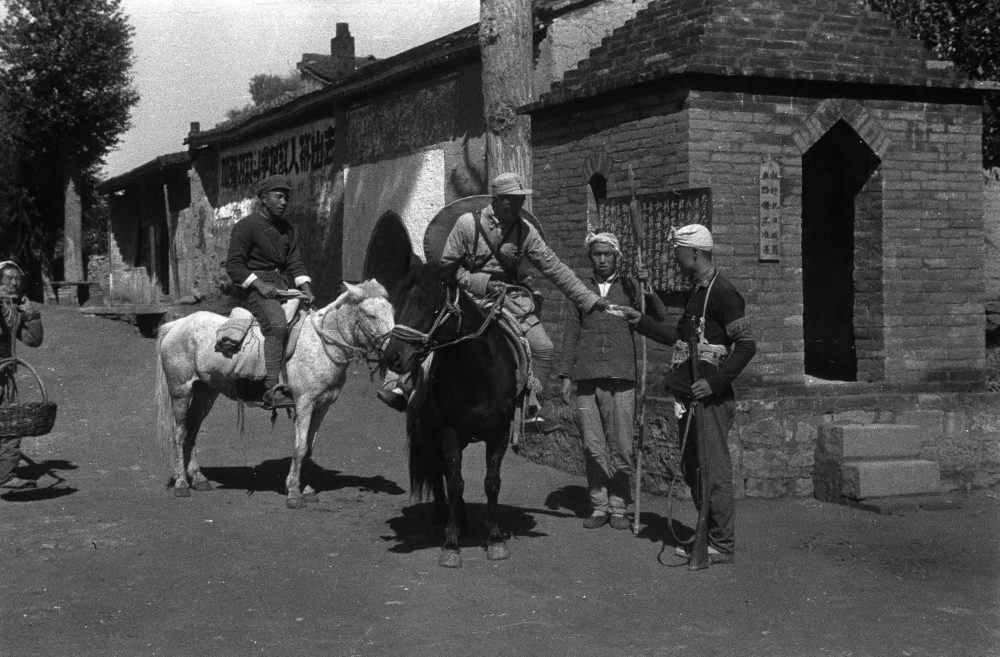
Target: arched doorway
point(389, 251)
point(841, 257)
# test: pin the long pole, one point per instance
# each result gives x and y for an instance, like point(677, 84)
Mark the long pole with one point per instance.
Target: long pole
point(641, 402)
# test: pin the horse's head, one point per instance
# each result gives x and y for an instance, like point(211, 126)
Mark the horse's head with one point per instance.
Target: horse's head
point(370, 314)
point(427, 313)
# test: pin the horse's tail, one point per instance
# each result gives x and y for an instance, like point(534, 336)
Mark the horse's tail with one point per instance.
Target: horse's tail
point(161, 393)
point(426, 461)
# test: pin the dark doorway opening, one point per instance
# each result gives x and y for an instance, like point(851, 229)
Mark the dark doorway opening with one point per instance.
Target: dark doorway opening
point(834, 171)
point(389, 251)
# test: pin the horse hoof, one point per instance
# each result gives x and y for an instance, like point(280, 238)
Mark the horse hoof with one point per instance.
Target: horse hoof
point(310, 497)
point(450, 559)
point(183, 491)
point(202, 485)
point(295, 503)
point(497, 551)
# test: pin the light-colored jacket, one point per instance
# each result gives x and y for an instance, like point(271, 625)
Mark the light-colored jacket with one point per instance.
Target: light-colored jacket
point(478, 265)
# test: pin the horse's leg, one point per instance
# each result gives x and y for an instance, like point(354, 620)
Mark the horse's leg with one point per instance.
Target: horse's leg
point(180, 451)
point(496, 447)
point(293, 486)
point(202, 400)
point(309, 466)
point(452, 447)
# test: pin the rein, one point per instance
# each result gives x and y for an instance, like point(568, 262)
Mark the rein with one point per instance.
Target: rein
point(450, 309)
point(368, 353)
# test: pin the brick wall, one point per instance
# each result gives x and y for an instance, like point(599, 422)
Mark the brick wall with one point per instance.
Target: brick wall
point(918, 258)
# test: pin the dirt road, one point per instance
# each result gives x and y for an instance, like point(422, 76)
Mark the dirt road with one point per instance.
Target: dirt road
point(108, 563)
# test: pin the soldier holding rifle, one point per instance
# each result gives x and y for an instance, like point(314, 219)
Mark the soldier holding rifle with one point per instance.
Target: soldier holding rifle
point(714, 319)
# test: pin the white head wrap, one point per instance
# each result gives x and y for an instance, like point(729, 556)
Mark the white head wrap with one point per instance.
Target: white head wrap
point(606, 238)
point(694, 235)
point(11, 263)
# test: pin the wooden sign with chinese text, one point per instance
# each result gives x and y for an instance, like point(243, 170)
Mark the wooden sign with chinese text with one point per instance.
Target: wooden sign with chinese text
point(770, 211)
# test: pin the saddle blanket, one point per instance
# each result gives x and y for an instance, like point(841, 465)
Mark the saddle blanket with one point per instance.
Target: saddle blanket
point(229, 337)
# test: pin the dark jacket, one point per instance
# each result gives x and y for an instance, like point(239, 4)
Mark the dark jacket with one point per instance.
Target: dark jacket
point(599, 345)
point(726, 324)
point(27, 329)
point(269, 250)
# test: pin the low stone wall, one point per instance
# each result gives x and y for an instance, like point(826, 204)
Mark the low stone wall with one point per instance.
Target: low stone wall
point(774, 440)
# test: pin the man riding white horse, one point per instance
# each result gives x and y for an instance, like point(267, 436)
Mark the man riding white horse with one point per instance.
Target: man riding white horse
point(263, 260)
point(488, 246)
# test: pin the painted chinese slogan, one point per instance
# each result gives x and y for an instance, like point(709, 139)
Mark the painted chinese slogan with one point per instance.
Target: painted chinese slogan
point(288, 153)
point(658, 213)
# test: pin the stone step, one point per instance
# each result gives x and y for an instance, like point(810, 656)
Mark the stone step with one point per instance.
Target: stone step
point(865, 479)
point(850, 442)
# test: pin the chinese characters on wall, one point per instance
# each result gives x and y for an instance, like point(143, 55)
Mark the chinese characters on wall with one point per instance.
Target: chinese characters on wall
point(770, 211)
point(658, 213)
point(288, 153)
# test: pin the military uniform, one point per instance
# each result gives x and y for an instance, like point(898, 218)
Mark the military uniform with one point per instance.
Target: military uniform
point(495, 252)
point(266, 248)
point(725, 346)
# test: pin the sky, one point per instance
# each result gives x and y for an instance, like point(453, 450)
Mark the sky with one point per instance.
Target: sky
point(194, 58)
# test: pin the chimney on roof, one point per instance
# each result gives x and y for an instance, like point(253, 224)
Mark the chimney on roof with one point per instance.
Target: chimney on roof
point(342, 51)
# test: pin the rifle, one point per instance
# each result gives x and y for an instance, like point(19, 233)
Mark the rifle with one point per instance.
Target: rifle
point(699, 551)
point(641, 401)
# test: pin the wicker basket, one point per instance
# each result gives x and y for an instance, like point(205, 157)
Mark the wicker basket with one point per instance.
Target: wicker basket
point(31, 419)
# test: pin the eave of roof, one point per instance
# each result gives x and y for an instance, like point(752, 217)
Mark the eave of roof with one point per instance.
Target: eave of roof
point(150, 169)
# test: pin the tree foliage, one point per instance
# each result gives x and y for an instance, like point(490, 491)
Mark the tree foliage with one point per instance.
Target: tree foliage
point(65, 70)
point(267, 90)
point(966, 32)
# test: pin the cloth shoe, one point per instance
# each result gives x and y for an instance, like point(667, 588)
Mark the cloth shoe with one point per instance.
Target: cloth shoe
point(15, 483)
point(278, 397)
point(619, 521)
point(596, 519)
point(714, 555)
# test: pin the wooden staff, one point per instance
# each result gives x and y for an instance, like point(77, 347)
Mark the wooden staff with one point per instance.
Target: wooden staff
point(641, 402)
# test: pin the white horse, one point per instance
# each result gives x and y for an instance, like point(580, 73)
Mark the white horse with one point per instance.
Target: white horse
point(191, 374)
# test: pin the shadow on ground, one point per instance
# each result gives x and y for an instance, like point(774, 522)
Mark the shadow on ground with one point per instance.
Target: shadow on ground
point(269, 476)
point(416, 528)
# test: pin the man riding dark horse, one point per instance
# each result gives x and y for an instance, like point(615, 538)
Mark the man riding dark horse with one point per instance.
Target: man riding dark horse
point(488, 246)
point(263, 262)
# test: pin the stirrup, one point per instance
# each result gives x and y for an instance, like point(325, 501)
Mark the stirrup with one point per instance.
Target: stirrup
point(278, 396)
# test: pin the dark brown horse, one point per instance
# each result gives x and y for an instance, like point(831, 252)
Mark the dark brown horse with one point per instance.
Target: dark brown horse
point(469, 394)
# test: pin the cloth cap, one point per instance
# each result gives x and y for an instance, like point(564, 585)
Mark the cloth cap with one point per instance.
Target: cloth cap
point(508, 184)
point(694, 235)
point(272, 183)
point(603, 238)
point(11, 263)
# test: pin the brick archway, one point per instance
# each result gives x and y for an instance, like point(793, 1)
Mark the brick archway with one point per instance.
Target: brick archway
point(851, 112)
point(842, 146)
point(390, 252)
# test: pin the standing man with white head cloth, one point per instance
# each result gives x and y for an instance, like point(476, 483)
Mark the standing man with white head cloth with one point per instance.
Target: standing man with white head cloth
point(714, 316)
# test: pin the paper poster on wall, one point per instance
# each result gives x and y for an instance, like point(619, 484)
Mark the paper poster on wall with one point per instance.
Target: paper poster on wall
point(658, 213)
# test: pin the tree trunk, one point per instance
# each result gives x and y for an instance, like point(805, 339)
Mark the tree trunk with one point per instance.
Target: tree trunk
point(505, 44)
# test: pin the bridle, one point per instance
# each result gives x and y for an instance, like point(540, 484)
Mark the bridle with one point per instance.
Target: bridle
point(426, 341)
point(371, 352)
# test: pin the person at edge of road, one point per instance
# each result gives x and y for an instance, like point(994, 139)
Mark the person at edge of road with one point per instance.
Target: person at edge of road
point(598, 353)
point(24, 323)
point(263, 260)
point(488, 246)
point(725, 346)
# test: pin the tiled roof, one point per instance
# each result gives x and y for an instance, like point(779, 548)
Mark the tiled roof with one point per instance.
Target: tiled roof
point(323, 68)
point(824, 40)
point(148, 170)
